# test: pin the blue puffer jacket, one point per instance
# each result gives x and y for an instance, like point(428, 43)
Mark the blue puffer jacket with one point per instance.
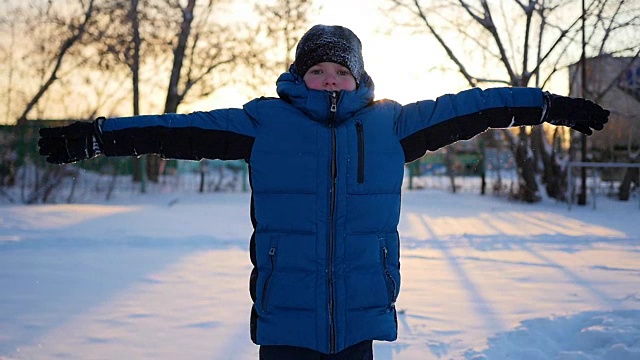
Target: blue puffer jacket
point(326, 171)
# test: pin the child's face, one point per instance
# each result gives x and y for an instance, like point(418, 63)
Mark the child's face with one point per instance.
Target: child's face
point(329, 76)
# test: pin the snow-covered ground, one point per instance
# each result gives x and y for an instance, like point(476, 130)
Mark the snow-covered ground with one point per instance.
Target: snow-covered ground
point(166, 277)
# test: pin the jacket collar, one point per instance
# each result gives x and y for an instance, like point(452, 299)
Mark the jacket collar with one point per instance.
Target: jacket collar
point(316, 104)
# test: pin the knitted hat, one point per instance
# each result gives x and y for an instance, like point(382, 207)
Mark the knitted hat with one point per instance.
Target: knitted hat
point(335, 44)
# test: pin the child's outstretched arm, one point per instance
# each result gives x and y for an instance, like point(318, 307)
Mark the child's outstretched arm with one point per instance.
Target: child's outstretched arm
point(429, 125)
point(219, 134)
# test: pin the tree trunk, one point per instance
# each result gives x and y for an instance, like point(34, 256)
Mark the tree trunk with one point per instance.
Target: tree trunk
point(138, 165)
point(630, 177)
point(135, 66)
point(449, 162)
point(528, 187)
point(174, 97)
point(553, 176)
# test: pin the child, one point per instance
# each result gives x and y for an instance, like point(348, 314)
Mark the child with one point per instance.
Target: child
point(326, 167)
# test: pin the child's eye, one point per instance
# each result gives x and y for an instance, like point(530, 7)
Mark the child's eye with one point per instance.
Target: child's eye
point(316, 71)
point(344, 72)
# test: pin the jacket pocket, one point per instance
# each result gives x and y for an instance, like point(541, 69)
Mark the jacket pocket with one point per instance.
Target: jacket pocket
point(269, 278)
point(392, 288)
point(360, 135)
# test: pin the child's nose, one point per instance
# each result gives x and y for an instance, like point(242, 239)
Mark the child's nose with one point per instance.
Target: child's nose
point(330, 80)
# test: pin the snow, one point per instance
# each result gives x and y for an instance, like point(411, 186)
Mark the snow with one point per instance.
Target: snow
point(165, 276)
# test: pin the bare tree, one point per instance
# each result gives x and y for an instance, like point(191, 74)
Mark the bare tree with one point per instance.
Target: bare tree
point(75, 28)
point(39, 61)
point(521, 43)
point(189, 46)
point(285, 21)
point(203, 47)
point(177, 43)
point(116, 40)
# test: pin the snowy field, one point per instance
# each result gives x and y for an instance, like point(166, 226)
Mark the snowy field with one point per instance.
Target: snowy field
point(166, 277)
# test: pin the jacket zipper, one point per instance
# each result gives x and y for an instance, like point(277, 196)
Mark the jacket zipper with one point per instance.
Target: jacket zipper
point(334, 175)
point(272, 257)
point(360, 133)
point(391, 284)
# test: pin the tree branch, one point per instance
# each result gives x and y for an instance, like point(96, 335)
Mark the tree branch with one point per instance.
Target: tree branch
point(489, 25)
point(64, 49)
point(472, 81)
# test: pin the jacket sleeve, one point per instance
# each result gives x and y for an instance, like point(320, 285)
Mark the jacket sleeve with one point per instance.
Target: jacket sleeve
point(431, 124)
point(225, 134)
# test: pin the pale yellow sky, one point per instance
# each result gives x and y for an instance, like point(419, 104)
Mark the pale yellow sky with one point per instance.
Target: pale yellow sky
point(401, 64)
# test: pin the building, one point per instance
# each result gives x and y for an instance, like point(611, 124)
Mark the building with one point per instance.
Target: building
point(613, 82)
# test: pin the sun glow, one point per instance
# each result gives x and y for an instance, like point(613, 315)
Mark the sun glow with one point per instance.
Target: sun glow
point(401, 64)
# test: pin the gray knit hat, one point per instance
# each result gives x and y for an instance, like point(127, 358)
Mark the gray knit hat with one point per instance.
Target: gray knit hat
point(335, 44)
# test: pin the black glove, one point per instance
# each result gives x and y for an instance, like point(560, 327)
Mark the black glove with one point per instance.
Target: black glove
point(579, 114)
point(67, 144)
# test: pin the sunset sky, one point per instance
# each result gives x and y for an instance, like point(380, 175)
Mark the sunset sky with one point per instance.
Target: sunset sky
point(404, 66)
point(401, 64)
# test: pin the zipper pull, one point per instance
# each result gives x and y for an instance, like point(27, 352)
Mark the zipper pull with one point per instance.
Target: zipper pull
point(334, 102)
